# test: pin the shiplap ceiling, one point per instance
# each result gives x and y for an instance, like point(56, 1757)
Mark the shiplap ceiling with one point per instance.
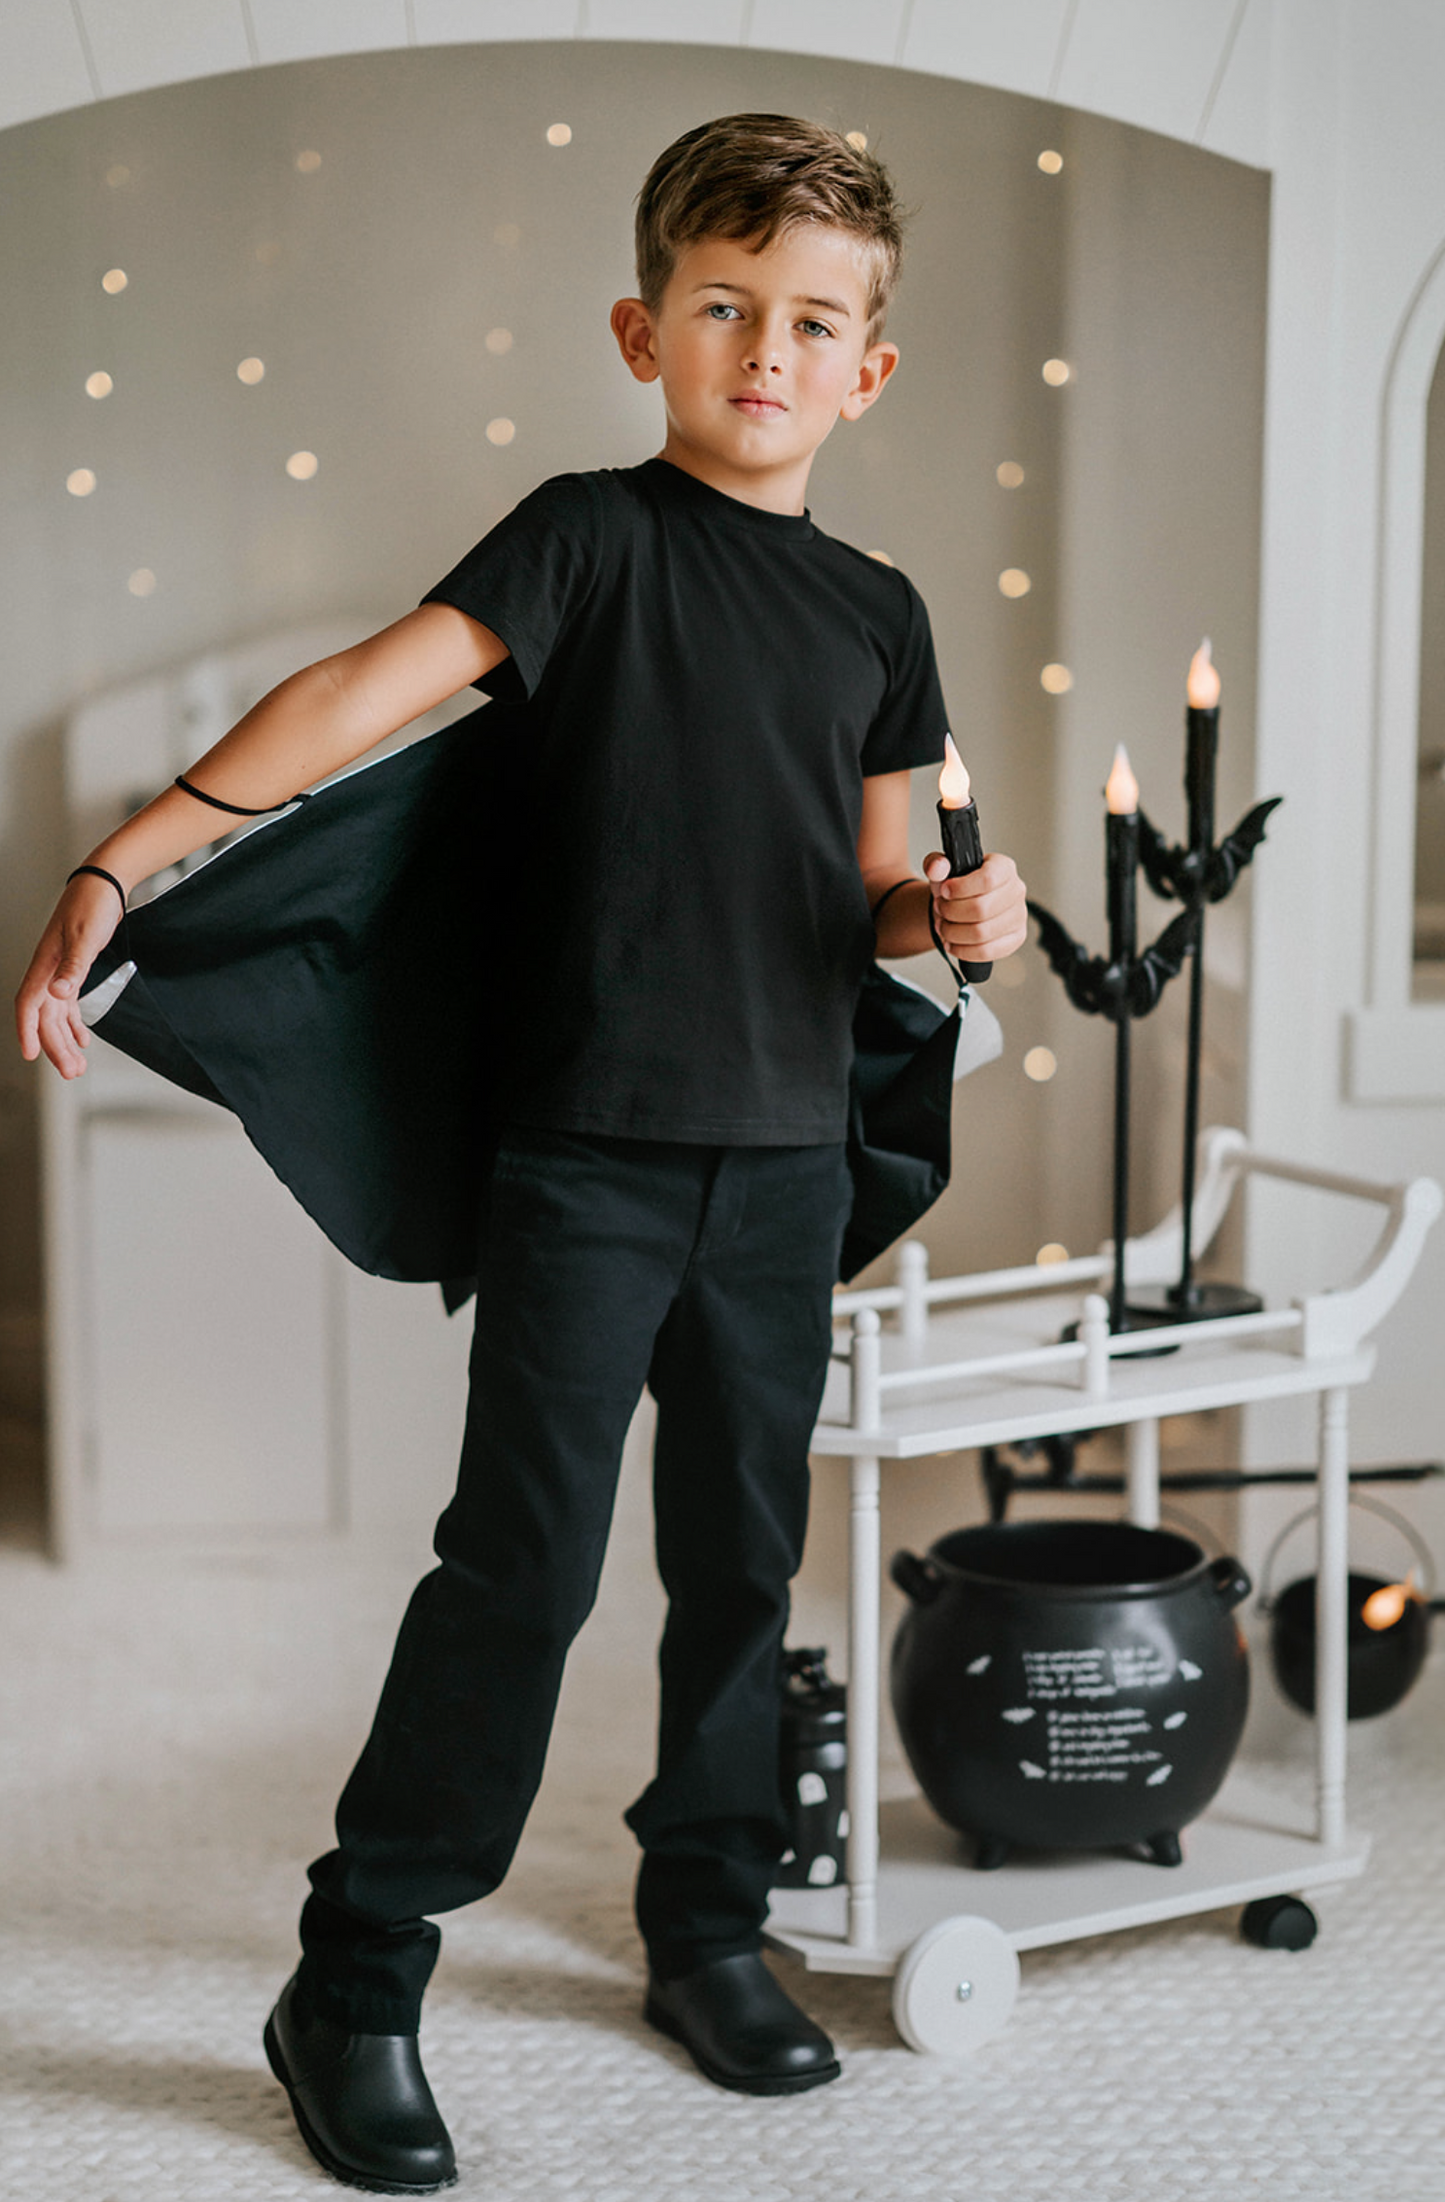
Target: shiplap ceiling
point(1194, 69)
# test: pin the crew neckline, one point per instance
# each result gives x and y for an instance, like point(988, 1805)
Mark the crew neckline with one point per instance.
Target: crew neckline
point(687, 489)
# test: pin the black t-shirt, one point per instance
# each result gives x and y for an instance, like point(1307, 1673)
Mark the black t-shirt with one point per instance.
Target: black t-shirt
point(695, 692)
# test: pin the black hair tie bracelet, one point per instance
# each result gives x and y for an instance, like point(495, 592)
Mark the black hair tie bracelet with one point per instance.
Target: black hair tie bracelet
point(237, 810)
point(96, 872)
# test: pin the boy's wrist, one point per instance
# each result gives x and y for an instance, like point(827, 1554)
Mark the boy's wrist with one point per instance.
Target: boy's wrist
point(901, 925)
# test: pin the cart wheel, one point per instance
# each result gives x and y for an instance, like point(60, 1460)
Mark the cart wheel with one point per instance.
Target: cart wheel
point(954, 1989)
point(1279, 1923)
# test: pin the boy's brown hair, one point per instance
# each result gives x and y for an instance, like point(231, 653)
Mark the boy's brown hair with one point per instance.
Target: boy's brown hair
point(755, 176)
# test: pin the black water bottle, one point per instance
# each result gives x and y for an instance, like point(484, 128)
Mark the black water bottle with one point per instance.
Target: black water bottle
point(813, 1772)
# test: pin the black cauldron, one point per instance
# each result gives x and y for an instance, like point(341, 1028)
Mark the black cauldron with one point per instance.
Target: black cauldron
point(1073, 1685)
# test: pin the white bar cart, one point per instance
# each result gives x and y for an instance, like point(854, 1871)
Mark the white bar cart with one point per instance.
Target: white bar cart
point(976, 1360)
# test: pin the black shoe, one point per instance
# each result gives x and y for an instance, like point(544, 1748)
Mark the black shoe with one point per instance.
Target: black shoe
point(741, 2029)
point(361, 2101)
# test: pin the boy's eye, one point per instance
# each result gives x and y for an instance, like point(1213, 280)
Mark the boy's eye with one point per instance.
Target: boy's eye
point(720, 310)
point(815, 328)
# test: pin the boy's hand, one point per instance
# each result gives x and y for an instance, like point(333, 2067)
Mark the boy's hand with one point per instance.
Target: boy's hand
point(983, 916)
point(47, 1007)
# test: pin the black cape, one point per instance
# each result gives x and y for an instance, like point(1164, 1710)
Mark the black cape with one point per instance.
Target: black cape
point(327, 979)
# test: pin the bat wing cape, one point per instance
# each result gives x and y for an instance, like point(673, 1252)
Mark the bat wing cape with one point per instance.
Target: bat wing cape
point(329, 979)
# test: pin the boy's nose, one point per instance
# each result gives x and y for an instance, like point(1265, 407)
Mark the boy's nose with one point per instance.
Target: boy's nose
point(762, 360)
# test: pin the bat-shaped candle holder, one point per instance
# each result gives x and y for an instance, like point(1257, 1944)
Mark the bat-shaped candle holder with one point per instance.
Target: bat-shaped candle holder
point(1120, 986)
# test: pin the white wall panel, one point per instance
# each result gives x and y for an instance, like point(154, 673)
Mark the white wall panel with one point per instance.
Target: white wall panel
point(211, 1365)
point(297, 30)
point(699, 22)
point(42, 62)
point(1238, 124)
point(1151, 62)
point(137, 43)
point(1013, 46)
point(406, 1396)
point(460, 22)
point(854, 30)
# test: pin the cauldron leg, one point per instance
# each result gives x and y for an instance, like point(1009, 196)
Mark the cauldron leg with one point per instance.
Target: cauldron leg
point(989, 1853)
point(1164, 1849)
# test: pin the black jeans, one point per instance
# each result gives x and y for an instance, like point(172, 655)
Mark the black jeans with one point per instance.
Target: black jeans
point(604, 1264)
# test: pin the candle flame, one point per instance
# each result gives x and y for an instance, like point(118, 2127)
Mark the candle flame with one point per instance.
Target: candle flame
point(1384, 1607)
point(953, 782)
point(1203, 685)
point(1121, 789)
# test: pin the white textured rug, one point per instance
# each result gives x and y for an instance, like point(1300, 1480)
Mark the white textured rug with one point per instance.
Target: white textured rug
point(174, 1732)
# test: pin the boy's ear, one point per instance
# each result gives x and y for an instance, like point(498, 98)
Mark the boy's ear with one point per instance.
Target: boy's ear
point(876, 365)
point(632, 327)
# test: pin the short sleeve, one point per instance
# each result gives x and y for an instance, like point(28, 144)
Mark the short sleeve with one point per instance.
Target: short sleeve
point(912, 720)
point(526, 578)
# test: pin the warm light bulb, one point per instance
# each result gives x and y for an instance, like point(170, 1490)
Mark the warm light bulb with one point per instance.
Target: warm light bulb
point(1056, 372)
point(114, 281)
point(1203, 683)
point(559, 133)
point(1051, 162)
point(953, 781)
point(881, 556)
point(1057, 680)
point(1121, 789)
point(98, 385)
point(142, 582)
point(81, 482)
point(498, 341)
point(302, 465)
point(1040, 1064)
point(858, 139)
point(308, 162)
point(250, 371)
point(1049, 1257)
point(1013, 581)
point(500, 431)
point(1009, 475)
point(1384, 1607)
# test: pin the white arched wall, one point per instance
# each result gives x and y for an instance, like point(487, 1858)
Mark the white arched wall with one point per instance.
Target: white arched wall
point(1339, 100)
point(1193, 69)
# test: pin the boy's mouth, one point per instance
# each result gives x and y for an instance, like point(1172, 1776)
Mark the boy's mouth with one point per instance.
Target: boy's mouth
point(757, 405)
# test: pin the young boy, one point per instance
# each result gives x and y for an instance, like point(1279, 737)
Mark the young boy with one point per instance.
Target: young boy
point(713, 709)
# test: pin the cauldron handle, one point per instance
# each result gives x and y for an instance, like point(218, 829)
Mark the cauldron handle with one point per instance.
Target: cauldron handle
point(1232, 1586)
point(920, 1579)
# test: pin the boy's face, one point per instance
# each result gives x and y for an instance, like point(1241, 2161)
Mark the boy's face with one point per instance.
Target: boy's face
point(758, 354)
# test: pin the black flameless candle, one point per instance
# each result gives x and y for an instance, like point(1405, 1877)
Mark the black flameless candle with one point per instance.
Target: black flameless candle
point(1201, 752)
point(1202, 731)
point(959, 832)
point(1121, 793)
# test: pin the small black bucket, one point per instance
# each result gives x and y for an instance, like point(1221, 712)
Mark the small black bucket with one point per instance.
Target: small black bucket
point(813, 1772)
point(1382, 1662)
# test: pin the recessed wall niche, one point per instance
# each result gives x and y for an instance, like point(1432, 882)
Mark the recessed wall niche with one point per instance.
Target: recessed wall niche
point(434, 207)
point(1428, 959)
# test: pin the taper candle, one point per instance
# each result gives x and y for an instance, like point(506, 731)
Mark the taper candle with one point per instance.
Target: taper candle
point(959, 831)
point(1121, 842)
point(1202, 747)
point(1121, 794)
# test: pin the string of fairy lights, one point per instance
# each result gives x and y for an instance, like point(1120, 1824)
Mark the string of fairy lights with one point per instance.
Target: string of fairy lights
point(1014, 582)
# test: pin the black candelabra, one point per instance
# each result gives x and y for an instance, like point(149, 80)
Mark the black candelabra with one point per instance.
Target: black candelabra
point(1125, 985)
